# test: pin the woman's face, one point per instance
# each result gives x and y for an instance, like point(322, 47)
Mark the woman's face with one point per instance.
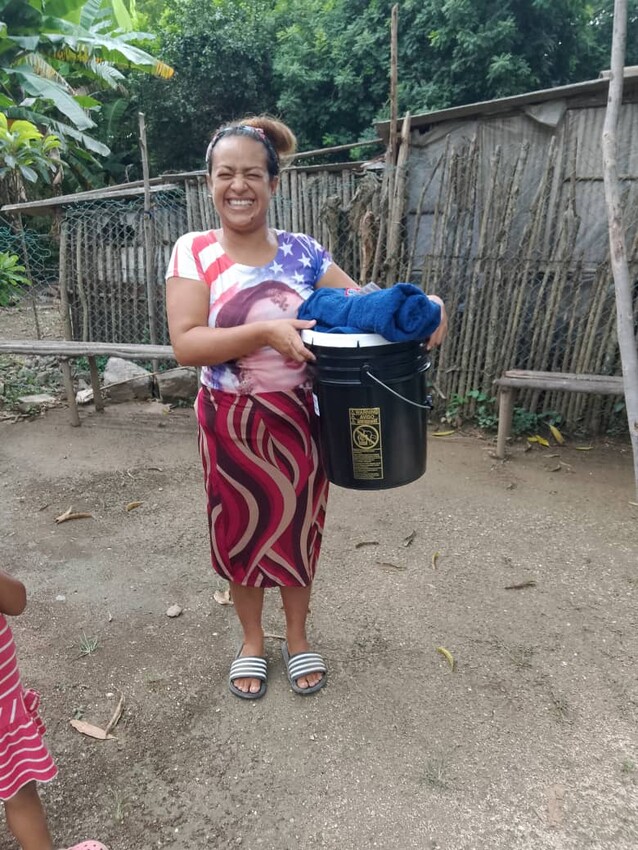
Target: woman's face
point(240, 184)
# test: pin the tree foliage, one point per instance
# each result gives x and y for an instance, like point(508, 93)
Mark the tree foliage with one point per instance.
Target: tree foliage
point(221, 52)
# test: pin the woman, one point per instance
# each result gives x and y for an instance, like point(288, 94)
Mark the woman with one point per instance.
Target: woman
point(232, 300)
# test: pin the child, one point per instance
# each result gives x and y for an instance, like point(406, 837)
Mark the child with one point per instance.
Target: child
point(23, 757)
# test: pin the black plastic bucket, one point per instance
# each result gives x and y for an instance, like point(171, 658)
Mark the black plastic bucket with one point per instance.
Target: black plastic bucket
point(372, 402)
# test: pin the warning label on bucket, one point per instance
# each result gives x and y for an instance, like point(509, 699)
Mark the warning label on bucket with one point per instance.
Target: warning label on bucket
point(367, 450)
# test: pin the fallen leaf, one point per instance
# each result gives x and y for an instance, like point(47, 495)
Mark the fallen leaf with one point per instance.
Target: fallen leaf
point(556, 434)
point(90, 730)
point(634, 504)
point(408, 540)
point(556, 468)
point(555, 801)
point(386, 565)
point(132, 505)
point(521, 586)
point(538, 439)
point(68, 514)
point(443, 433)
point(583, 448)
point(435, 558)
point(173, 611)
point(223, 597)
point(448, 656)
point(366, 543)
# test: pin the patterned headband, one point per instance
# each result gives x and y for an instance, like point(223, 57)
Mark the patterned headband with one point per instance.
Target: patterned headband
point(244, 130)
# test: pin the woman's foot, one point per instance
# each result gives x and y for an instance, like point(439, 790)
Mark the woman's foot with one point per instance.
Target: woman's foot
point(251, 648)
point(306, 670)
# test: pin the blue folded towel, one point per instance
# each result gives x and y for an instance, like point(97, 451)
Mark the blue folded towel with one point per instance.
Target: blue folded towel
point(399, 314)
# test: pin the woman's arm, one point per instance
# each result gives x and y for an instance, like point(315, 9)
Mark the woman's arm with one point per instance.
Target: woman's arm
point(195, 344)
point(335, 278)
point(13, 595)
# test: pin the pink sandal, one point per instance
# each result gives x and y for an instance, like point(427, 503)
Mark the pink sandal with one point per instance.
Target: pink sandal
point(89, 845)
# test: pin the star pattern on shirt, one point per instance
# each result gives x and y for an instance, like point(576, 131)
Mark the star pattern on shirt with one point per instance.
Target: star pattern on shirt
point(305, 261)
point(276, 268)
point(286, 249)
point(298, 278)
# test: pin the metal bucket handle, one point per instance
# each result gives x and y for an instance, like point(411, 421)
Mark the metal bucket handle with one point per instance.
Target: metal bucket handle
point(428, 403)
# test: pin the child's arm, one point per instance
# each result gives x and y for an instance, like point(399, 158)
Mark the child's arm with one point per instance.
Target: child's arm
point(13, 595)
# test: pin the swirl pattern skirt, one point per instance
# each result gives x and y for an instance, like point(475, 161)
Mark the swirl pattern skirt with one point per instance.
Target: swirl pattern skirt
point(265, 483)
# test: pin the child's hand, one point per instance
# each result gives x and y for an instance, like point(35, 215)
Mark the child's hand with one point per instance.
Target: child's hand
point(13, 595)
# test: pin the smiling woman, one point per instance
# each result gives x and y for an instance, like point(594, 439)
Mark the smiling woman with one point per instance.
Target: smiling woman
point(232, 301)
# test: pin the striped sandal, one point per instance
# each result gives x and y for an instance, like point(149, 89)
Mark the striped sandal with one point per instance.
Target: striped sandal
point(300, 664)
point(248, 667)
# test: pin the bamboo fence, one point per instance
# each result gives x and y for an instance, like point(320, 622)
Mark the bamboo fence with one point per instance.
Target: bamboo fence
point(518, 292)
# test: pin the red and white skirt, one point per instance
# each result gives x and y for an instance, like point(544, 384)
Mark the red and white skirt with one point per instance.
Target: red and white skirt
point(266, 487)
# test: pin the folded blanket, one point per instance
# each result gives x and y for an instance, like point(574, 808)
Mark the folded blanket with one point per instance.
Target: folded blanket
point(398, 314)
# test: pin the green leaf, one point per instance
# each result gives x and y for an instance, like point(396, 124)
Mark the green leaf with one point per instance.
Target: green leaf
point(28, 173)
point(89, 13)
point(122, 15)
point(39, 87)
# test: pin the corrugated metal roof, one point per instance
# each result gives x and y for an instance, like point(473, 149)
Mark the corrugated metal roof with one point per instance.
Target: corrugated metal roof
point(506, 104)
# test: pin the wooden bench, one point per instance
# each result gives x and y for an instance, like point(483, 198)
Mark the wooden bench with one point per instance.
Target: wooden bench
point(518, 379)
point(66, 350)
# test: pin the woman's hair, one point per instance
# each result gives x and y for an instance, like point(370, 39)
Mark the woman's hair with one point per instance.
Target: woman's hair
point(235, 311)
point(277, 138)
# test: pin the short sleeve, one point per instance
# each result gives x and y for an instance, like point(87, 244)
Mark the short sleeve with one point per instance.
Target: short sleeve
point(320, 258)
point(182, 262)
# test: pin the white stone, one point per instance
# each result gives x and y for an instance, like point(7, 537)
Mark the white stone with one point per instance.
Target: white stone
point(173, 611)
point(28, 402)
point(126, 381)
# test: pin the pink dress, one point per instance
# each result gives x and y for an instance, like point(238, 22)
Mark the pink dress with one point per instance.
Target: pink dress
point(23, 756)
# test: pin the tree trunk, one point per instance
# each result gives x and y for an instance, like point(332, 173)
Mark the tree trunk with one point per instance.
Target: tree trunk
point(618, 250)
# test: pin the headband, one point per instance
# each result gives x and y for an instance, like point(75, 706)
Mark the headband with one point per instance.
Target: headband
point(241, 130)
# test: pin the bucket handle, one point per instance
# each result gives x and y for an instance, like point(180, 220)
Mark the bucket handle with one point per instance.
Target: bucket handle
point(426, 406)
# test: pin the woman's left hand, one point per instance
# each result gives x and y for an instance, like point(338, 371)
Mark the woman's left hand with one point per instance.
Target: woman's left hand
point(440, 333)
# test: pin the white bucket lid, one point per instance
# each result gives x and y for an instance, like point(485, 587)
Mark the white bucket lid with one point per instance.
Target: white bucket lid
point(336, 340)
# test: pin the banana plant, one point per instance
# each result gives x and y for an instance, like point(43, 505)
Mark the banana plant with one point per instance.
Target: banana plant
point(56, 54)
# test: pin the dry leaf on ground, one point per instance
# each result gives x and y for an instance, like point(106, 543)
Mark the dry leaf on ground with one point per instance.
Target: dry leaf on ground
point(443, 433)
point(132, 505)
point(386, 565)
point(408, 540)
point(366, 543)
point(90, 730)
point(556, 434)
point(448, 656)
point(115, 719)
point(521, 586)
point(435, 559)
point(68, 514)
point(223, 597)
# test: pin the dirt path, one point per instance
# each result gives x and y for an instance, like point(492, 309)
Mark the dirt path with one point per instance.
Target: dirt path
point(530, 744)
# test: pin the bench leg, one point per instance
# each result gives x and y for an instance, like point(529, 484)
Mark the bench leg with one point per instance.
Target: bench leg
point(505, 410)
point(70, 392)
point(98, 401)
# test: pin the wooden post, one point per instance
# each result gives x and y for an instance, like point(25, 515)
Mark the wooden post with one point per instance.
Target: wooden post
point(618, 250)
point(391, 152)
point(149, 249)
point(98, 401)
point(70, 392)
point(64, 289)
point(505, 410)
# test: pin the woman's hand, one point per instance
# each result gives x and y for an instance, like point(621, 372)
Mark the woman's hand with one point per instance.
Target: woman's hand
point(441, 332)
point(284, 335)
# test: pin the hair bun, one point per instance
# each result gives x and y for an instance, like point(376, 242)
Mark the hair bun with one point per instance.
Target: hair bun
point(279, 134)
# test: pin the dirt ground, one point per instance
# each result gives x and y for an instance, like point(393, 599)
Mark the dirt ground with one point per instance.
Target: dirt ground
point(530, 743)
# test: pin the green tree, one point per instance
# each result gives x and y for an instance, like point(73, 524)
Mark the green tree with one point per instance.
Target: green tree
point(221, 51)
